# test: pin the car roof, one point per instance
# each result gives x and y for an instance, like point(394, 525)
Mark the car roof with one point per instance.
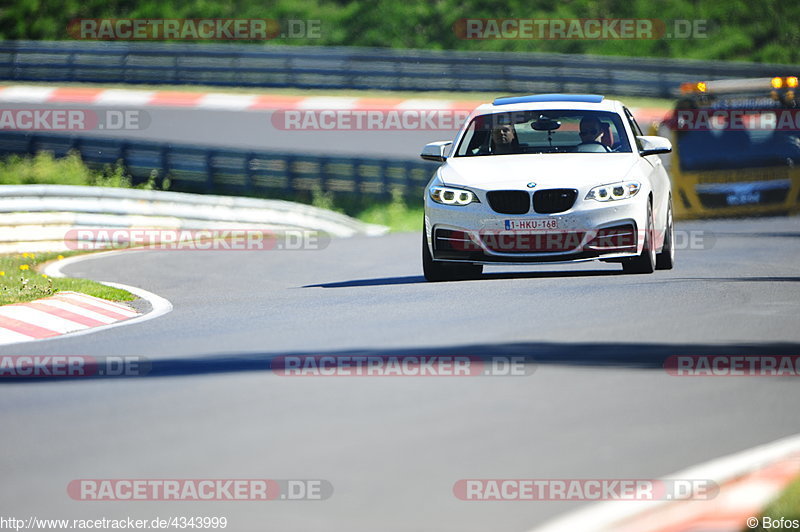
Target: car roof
point(588, 102)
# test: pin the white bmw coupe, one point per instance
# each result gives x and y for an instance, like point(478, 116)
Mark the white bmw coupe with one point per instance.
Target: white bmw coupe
point(547, 178)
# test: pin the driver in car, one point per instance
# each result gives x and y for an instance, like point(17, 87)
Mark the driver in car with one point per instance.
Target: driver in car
point(504, 139)
point(590, 130)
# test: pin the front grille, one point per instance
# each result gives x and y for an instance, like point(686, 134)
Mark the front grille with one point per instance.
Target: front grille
point(554, 200)
point(509, 201)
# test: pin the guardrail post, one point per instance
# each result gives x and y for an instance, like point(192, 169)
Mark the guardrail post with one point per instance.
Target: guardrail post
point(71, 64)
point(324, 175)
point(290, 173)
point(385, 189)
point(123, 156)
point(292, 74)
point(75, 144)
point(357, 177)
point(14, 64)
point(163, 172)
point(249, 185)
point(124, 64)
point(209, 171)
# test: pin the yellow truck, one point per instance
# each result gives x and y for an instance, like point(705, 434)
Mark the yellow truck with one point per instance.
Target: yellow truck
point(736, 148)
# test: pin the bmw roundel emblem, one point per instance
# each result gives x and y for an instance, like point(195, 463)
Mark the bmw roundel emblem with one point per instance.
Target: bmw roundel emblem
point(531, 184)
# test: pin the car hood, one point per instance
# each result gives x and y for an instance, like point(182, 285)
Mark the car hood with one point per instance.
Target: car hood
point(546, 170)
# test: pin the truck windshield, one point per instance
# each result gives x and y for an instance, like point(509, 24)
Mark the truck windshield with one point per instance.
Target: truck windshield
point(727, 149)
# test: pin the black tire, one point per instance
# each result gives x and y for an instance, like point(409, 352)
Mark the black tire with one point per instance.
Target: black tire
point(646, 261)
point(446, 271)
point(665, 260)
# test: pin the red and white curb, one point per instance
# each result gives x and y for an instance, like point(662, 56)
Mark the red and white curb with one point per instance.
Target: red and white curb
point(738, 501)
point(222, 101)
point(62, 313)
point(72, 314)
point(35, 94)
point(748, 481)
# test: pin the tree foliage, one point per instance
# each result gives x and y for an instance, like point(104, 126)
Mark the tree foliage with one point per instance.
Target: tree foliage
point(761, 31)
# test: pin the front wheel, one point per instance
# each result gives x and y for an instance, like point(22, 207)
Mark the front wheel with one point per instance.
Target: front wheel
point(646, 261)
point(666, 259)
point(446, 271)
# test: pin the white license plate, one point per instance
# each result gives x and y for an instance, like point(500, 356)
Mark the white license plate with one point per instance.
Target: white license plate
point(744, 198)
point(531, 224)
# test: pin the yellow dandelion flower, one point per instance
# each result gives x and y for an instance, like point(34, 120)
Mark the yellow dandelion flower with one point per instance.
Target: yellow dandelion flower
point(60, 257)
point(45, 276)
point(24, 267)
point(24, 255)
point(2, 273)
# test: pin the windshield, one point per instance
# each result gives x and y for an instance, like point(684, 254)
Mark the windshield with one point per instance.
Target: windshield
point(548, 131)
point(727, 149)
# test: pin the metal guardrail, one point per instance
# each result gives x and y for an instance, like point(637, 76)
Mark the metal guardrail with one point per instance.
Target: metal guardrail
point(40, 217)
point(359, 68)
point(210, 170)
point(177, 209)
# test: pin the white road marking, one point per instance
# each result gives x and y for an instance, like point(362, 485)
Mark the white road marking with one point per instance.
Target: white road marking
point(26, 93)
point(323, 102)
point(603, 517)
point(40, 318)
point(11, 337)
point(107, 305)
point(75, 309)
point(124, 97)
point(231, 102)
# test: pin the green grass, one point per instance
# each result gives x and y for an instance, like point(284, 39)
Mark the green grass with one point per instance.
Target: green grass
point(43, 168)
point(398, 215)
point(20, 281)
point(630, 101)
point(787, 505)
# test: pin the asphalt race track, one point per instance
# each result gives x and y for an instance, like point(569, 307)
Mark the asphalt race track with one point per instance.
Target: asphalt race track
point(599, 404)
point(254, 130)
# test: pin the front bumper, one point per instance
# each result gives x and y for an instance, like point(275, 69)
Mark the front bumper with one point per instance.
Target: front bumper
point(728, 193)
point(589, 230)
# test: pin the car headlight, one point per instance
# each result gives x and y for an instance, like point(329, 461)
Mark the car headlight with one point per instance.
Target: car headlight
point(614, 191)
point(452, 196)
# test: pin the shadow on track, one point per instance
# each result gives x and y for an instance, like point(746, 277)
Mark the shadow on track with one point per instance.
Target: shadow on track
point(640, 356)
point(416, 279)
point(765, 279)
point(773, 234)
